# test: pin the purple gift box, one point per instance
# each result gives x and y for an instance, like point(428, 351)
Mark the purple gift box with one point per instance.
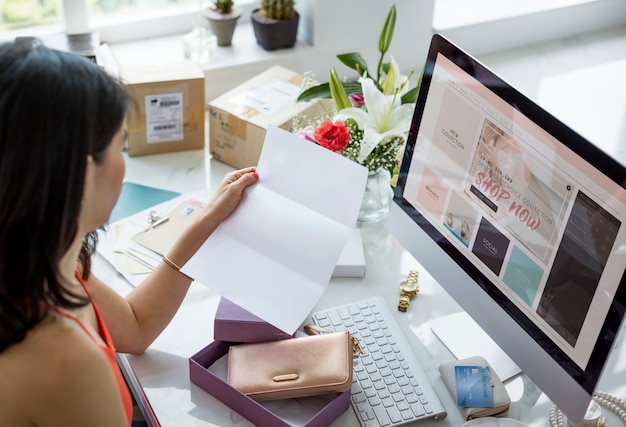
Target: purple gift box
point(233, 323)
point(321, 410)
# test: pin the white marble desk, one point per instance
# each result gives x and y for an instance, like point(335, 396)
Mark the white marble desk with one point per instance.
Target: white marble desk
point(161, 375)
point(579, 80)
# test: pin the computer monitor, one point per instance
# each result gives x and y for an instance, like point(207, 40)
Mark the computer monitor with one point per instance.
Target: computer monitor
point(520, 219)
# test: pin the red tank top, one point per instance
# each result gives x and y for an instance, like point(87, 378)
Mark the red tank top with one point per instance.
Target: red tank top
point(108, 350)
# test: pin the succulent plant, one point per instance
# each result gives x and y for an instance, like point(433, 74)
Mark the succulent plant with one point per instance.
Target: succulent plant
point(278, 9)
point(223, 6)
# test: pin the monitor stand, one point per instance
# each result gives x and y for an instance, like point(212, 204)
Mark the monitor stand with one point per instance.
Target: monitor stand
point(472, 340)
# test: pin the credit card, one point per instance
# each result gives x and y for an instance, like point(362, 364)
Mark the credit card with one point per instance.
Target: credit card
point(473, 386)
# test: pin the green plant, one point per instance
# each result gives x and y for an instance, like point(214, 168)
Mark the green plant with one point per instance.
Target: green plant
point(278, 9)
point(385, 79)
point(223, 6)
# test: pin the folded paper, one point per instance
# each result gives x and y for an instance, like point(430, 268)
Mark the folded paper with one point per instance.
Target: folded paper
point(276, 254)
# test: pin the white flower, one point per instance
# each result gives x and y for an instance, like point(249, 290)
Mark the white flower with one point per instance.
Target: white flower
point(394, 82)
point(385, 117)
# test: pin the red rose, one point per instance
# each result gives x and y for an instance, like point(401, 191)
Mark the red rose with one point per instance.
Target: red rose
point(334, 136)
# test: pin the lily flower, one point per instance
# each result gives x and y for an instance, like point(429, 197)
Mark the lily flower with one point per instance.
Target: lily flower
point(384, 117)
point(394, 82)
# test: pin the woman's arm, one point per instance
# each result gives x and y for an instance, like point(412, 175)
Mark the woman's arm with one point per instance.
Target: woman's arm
point(134, 322)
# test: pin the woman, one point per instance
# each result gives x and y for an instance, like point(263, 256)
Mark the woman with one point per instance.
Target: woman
point(61, 172)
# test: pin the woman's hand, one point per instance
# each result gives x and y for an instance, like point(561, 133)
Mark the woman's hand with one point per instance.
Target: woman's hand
point(230, 192)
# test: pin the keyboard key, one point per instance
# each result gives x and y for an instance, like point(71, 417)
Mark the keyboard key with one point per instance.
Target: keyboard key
point(407, 414)
point(358, 397)
point(335, 320)
point(394, 416)
point(381, 416)
point(418, 410)
point(412, 398)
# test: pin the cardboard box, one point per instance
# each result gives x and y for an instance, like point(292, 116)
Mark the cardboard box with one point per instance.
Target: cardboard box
point(239, 118)
point(233, 323)
point(207, 370)
point(167, 112)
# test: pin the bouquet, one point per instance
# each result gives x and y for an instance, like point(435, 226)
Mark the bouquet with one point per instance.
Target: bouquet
point(370, 117)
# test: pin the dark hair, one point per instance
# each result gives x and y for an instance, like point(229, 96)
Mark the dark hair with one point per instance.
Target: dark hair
point(56, 108)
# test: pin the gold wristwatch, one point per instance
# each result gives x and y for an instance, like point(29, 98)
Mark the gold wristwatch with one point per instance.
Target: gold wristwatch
point(408, 289)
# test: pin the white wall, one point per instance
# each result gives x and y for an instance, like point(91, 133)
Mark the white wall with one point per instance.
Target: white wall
point(328, 28)
point(533, 28)
point(355, 25)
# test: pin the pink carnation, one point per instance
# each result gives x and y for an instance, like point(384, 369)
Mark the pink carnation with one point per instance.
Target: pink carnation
point(357, 99)
point(307, 133)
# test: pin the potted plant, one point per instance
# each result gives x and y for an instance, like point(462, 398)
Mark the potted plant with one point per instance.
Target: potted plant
point(275, 24)
point(222, 17)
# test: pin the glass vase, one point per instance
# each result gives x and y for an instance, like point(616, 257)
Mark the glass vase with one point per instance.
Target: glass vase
point(377, 197)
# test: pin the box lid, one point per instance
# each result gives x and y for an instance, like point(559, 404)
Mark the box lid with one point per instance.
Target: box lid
point(234, 324)
point(267, 99)
point(184, 70)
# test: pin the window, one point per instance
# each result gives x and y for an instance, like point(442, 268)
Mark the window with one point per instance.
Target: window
point(115, 20)
point(16, 14)
point(473, 23)
point(487, 26)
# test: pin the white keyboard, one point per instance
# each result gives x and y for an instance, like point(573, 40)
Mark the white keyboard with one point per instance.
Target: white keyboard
point(389, 386)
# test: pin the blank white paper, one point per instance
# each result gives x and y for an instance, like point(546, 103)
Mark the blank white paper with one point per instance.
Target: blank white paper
point(276, 254)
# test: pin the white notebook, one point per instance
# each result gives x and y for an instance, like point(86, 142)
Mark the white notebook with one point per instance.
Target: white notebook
point(351, 262)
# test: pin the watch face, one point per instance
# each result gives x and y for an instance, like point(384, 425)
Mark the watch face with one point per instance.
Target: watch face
point(408, 287)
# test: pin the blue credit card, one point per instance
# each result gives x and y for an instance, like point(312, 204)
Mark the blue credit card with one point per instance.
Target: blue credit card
point(473, 386)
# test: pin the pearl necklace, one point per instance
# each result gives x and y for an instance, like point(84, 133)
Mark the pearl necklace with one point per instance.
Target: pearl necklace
point(615, 404)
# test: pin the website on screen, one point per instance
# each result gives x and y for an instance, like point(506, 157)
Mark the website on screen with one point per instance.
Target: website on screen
point(541, 223)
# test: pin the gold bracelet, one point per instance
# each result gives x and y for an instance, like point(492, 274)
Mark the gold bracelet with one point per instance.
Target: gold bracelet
point(171, 263)
point(175, 266)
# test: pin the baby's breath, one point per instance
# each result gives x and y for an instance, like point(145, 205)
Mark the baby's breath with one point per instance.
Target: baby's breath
point(382, 157)
point(300, 120)
point(308, 80)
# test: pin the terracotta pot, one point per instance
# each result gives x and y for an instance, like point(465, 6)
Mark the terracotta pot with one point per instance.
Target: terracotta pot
point(222, 25)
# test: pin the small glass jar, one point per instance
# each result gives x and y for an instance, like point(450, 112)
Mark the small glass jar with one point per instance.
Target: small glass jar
point(200, 45)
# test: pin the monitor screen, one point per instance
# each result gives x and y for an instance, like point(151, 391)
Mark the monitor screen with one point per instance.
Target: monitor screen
point(520, 219)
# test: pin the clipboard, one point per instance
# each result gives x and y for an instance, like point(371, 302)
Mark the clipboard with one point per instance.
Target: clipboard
point(160, 237)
